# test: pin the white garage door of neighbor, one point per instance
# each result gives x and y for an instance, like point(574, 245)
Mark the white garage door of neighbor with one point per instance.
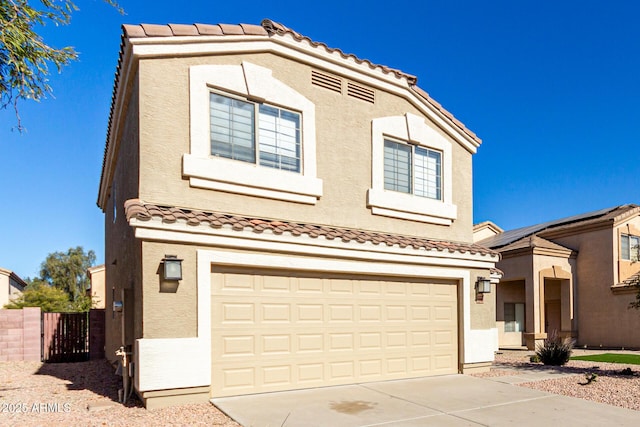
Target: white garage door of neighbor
point(286, 331)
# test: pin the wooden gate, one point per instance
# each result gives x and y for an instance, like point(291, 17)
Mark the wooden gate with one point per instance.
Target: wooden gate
point(65, 337)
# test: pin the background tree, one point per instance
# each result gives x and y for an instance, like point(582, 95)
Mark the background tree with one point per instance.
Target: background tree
point(68, 271)
point(62, 285)
point(24, 56)
point(40, 294)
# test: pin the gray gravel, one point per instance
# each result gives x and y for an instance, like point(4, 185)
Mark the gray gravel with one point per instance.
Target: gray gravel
point(611, 386)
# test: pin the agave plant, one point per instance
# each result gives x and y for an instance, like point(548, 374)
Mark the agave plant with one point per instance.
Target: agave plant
point(555, 350)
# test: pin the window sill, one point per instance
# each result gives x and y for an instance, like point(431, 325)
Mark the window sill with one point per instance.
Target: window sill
point(242, 178)
point(407, 206)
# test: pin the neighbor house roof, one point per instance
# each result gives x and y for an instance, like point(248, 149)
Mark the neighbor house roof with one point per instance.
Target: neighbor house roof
point(488, 224)
point(584, 219)
point(267, 29)
point(533, 242)
point(13, 276)
point(142, 211)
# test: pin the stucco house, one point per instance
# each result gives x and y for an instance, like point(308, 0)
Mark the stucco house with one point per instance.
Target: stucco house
point(574, 275)
point(11, 286)
point(281, 215)
point(97, 290)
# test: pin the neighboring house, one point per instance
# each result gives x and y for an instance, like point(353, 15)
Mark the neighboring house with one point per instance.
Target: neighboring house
point(574, 275)
point(11, 286)
point(97, 289)
point(319, 208)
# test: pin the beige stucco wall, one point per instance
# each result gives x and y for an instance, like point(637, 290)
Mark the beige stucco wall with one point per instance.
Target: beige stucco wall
point(122, 250)
point(549, 269)
point(483, 232)
point(482, 311)
point(343, 127)
point(603, 317)
point(512, 291)
point(9, 288)
point(521, 268)
point(170, 308)
point(98, 290)
point(5, 289)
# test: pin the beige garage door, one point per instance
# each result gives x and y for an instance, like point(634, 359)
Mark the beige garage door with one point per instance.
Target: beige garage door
point(273, 332)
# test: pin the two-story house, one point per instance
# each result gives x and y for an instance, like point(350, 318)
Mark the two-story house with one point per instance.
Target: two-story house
point(11, 286)
point(575, 276)
point(281, 215)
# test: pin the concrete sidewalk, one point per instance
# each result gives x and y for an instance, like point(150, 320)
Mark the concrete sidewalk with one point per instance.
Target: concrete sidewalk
point(451, 400)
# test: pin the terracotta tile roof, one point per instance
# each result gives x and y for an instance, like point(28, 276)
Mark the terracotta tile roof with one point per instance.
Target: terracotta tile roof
point(142, 211)
point(631, 281)
point(267, 28)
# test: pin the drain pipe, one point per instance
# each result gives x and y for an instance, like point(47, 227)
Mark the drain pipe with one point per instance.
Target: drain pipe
point(125, 393)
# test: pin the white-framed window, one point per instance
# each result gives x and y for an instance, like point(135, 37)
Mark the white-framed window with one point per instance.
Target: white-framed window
point(513, 317)
point(251, 134)
point(630, 247)
point(255, 133)
point(411, 171)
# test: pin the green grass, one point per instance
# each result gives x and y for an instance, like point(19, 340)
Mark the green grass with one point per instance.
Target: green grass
point(628, 359)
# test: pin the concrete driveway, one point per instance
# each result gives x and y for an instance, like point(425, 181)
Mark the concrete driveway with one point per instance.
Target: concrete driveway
point(451, 400)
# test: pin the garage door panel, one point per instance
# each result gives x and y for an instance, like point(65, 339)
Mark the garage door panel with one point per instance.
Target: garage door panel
point(277, 332)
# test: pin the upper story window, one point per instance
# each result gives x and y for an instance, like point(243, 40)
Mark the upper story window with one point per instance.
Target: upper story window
point(273, 140)
point(413, 170)
point(251, 134)
point(630, 246)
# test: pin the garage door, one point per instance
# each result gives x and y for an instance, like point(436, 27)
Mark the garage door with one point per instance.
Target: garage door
point(276, 331)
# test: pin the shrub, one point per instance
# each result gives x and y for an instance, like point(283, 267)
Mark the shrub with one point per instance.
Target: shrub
point(555, 351)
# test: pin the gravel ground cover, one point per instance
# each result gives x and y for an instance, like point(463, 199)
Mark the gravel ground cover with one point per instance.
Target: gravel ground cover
point(85, 394)
point(615, 384)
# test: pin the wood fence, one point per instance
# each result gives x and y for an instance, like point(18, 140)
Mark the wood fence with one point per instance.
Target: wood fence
point(65, 337)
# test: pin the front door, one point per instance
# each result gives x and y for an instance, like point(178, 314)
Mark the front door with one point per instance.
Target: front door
point(552, 316)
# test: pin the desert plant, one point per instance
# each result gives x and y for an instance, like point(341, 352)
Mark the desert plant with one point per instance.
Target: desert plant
point(555, 350)
point(590, 377)
point(627, 372)
point(534, 358)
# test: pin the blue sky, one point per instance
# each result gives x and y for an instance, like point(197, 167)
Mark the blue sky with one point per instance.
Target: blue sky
point(551, 87)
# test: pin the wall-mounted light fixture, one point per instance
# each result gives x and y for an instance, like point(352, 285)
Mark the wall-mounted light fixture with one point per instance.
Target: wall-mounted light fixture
point(483, 285)
point(172, 267)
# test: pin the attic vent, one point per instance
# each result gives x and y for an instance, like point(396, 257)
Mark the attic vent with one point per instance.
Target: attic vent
point(361, 92)
point(326, 81)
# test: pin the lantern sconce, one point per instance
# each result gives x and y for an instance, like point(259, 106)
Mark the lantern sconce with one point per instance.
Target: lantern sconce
point(483, 285)
point(172, 268)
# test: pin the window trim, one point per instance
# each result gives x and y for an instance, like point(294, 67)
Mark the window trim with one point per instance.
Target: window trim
point(412, 162)
point(413, 130)
point(515, 317)
point(630, 237)
point(255, 84)
point(256, 130)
